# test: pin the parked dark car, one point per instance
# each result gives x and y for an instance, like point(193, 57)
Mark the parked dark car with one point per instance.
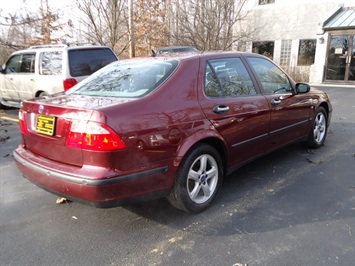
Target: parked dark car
point(174, 49)
point(165, 127)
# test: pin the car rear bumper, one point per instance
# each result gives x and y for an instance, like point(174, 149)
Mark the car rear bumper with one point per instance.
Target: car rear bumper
point(95, 186)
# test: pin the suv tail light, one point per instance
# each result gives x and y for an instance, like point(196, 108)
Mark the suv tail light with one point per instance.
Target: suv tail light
point(93, 136)
point(22, 122)
point(68, 83)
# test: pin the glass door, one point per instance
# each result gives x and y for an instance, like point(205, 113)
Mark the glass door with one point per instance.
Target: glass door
point(341, 58)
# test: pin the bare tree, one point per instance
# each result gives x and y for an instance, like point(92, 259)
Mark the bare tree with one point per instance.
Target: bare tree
point(204, 24)
point(207, 24)
point(105, 22)
point(23, 28)
point(149, 25)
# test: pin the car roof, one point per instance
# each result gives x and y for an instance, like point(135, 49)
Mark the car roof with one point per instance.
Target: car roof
point(209, 54)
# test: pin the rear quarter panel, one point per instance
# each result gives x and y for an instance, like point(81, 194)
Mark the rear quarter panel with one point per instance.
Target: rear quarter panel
point(154, 127)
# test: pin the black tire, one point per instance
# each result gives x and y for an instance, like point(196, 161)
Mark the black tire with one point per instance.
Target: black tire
point(198, 179)
point(318, 132)
point(42, 94)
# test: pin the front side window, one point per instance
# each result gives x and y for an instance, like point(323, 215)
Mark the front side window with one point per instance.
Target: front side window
point(13, 64)
point(273, 80)
point(28, 63)
point(84, 62)
point(227, 77)
point(51, 63)
point(306, 52)
point(21, 63)
point(126, 78)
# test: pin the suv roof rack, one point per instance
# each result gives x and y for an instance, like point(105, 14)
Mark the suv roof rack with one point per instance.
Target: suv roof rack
point(47, 46)
point(60, 45)
point(82, 44)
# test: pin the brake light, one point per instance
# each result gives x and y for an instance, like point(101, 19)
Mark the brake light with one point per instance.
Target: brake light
point(68, 83)
point(93, 136)
point(22, 122)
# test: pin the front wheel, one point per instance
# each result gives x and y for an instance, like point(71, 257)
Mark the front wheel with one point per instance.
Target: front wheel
point(198, 179)
point(319, 129)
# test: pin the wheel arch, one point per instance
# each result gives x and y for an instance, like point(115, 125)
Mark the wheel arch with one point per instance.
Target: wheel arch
point(325, 106)
point(328, 110)
point(211, 138)
point(39, 92)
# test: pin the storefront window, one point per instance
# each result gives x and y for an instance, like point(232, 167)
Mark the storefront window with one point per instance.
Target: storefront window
point(264, 48)
point(306, 52)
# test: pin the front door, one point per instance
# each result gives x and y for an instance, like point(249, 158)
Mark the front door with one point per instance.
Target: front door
point(289, 112)
point(18, 78)
point(341, 58)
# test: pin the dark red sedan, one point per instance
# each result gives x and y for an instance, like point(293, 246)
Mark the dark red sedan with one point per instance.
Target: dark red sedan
point(165, 127)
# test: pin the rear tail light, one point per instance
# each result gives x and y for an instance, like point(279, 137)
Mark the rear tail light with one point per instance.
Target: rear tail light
point(93, 136)
point(22, 122)
point(68, 83)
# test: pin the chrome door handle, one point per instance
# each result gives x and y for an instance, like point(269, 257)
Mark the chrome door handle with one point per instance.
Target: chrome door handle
point(275, 101)
point(220, 109)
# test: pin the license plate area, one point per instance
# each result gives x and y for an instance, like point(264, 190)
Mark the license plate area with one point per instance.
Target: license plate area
point(45, 125)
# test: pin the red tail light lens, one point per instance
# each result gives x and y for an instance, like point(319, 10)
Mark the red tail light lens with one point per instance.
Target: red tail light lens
point(68, 83)
point(93, 136)
point(22, 122)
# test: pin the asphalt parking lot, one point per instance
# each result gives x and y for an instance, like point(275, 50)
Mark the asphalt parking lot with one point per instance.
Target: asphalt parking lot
point(293, 207)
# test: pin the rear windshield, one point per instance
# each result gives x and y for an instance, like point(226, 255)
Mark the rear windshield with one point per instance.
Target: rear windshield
point(84, 62)
point(126, 78)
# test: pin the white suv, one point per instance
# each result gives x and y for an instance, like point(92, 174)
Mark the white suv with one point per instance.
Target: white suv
point(47, 69)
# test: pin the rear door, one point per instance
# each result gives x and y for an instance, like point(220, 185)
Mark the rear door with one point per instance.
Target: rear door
point(50, 78)
point(233, 104)
point(290, 112)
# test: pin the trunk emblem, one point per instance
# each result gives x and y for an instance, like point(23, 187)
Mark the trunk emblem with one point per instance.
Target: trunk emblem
point(40, 109)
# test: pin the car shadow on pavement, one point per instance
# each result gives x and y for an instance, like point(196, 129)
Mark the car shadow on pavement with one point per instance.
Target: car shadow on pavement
point(286, 188)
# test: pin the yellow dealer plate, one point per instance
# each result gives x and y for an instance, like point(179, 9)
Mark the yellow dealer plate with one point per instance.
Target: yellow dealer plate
point(45, 125)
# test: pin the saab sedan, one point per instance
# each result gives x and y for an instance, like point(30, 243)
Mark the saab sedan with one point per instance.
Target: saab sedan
point(168, 126)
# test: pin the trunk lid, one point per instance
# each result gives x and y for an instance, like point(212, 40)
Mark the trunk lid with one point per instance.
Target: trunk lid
point(48, 122)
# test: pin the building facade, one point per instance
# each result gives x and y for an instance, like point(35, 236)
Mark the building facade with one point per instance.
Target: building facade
point(314, 40)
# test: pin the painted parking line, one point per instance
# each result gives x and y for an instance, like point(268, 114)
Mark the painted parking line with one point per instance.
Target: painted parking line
point(9, 118)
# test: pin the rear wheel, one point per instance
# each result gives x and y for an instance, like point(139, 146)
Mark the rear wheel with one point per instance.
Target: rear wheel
point(42, 94)
point(319, 129)
point(198, 179)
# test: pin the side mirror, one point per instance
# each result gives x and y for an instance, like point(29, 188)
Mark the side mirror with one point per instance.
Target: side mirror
point(1, 70)
point(302, 88)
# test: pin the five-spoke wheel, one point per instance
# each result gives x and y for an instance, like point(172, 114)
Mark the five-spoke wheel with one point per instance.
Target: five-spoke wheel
point(318, 132)
point(198, 179)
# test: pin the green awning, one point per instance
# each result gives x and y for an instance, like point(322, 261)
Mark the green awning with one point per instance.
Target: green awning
point(344, 18)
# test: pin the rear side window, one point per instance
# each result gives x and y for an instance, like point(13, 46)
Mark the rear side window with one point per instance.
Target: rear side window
point(227, 77)
point(84, 62)
point(51, 63)
point(127, 78)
